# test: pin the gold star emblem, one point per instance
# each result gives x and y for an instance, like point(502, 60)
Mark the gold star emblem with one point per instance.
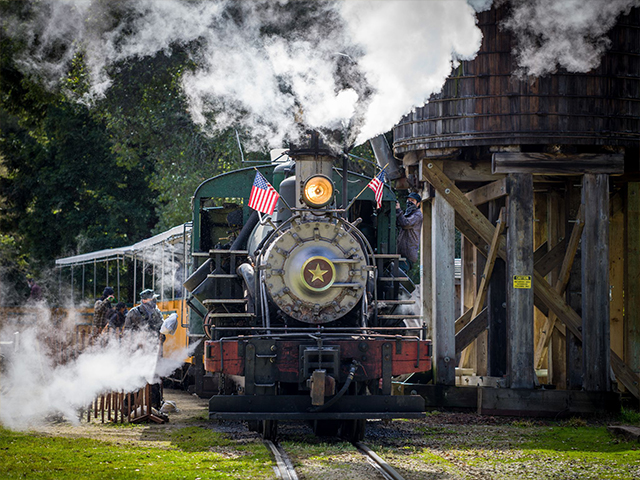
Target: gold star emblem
point(318, 273)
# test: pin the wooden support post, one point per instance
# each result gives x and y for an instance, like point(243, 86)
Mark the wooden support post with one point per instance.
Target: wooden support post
point(595, 283)
point(468, 296)
point(479, 229)
point(616, 278)
point(520, 281)
point(540, 234)
point(632, 278)
point(497, 302)
point(557, 357)
point(482, 342)
point(573, 200)
point(488, 268)
point(443, 253)
point(426, 273)
point(561, 284)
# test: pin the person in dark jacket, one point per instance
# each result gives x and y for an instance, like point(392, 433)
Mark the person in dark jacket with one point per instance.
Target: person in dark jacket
point(410, 224)
point(146, 315)
point(115, 322)
point(35, 292)
point(102, 309)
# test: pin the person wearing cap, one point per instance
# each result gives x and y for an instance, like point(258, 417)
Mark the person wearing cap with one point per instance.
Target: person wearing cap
point(410, 224)
point(146, 315)
point(102, 309)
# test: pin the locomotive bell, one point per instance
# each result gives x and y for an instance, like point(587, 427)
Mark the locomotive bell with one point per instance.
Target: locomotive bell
point(315, 271)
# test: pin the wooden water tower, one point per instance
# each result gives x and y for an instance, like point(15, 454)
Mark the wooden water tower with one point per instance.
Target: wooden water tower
point(541, 176)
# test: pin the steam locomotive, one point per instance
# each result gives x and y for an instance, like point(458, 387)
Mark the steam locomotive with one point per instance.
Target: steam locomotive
point(304, 311)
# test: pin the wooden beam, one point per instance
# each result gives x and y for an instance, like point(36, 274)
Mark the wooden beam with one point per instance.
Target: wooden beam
point(482, 228)
point(463, 171)
point(426, 273)
point(561, 284)
point(548, 164)
point(468, 295)
point(556, 233)
point(488, 268)
point(595, 283)
point(520, 366)
point(486, 193)
point(632, 277)
point(551, 259)
point(470, 234)
point(463, 320)
point(443, 290)
point(471, 330)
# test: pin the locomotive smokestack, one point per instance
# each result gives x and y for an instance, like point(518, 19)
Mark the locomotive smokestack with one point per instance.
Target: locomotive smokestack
point(384, 156)
point(313, 159)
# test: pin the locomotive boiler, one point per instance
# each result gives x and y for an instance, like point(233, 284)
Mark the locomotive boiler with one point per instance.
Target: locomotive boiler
point(304, 312)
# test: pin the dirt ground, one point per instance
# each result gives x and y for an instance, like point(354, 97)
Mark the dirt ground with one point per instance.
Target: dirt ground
point(440, 446)
point(191, 411)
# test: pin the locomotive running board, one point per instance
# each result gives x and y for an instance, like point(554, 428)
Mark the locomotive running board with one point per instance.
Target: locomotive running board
point(298, 407)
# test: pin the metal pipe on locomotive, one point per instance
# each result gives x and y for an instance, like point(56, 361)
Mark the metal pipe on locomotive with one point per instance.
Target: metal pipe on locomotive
point(301, 310)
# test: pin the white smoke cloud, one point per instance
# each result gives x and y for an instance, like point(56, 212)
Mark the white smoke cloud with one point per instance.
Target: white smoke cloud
point(354, 66)
point(275, 69)
point(37, 382)
point(568, 34)
point(409, 47)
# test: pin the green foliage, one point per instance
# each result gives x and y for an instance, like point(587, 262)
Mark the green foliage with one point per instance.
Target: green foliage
point(39, 457)
point(630, 416)
point(63, 185)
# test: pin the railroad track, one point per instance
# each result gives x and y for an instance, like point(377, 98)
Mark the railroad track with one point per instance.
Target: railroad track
point(286, 471)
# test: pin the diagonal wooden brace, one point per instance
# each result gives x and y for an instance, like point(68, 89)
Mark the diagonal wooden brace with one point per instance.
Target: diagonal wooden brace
point(561, 285)
point(481, 232)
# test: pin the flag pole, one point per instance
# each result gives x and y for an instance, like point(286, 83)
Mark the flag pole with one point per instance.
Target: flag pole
point(361, 192)
point(280, 196)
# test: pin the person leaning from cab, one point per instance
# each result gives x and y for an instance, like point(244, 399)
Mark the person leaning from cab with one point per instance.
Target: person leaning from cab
point(102, 310)
point(410, 224)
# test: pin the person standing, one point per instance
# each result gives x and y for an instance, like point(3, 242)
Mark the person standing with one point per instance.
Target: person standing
point(115, 322)
point(146, 315)
point(410, 224)
point(35, 292)
point(102, 310)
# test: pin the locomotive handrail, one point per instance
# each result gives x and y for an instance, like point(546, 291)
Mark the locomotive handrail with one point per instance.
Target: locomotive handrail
point(302, 331)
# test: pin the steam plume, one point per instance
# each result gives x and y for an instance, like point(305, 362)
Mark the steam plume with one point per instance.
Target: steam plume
point(36, 384)
point(272, 68)
point(570, 34)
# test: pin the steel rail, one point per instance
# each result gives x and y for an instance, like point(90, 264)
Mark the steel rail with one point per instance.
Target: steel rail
point(285, 467)
point(387, 470)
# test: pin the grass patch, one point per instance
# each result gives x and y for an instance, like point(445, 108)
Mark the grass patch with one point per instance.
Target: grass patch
point(195, 454)
point(563, 451)
point(629, 416)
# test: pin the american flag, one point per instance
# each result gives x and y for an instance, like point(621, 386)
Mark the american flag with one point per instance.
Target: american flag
point(263, 196)
point(377, 185)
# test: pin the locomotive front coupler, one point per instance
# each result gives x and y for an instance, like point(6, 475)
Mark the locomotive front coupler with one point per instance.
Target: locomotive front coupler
point(315, 396)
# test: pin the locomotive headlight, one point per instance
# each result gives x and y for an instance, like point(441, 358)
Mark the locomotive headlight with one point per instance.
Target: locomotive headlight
point(317, 191)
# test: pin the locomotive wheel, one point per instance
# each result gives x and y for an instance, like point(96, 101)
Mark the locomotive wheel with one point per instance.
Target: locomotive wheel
point(268, 429)
point(326, 428)
point(353, 430)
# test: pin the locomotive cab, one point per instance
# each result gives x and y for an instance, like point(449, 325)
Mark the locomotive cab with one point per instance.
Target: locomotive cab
point(302, 307)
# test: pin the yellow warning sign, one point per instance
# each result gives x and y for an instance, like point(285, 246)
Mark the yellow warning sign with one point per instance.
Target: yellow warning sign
point(522, 281)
